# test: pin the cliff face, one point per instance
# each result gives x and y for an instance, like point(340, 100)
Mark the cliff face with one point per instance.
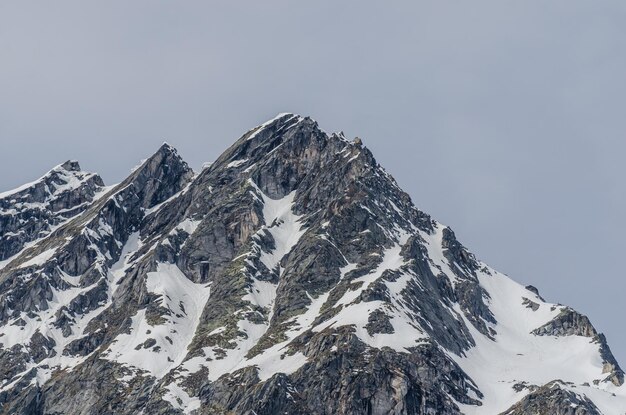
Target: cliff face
point(292, 275)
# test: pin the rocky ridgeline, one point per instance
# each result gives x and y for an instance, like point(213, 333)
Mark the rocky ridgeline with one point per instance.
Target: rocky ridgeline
point(292, 275)
point(32, 211)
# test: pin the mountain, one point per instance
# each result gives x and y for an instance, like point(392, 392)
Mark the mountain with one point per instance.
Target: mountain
point(292, 275)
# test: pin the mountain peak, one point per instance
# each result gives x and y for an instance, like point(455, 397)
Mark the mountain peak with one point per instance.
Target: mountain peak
point(71, 165)
point(60, 174)
point(167, 148)
point(280, 120)
point(264, 138)
point(159, 176)
point(164, 154)
point(34, 209)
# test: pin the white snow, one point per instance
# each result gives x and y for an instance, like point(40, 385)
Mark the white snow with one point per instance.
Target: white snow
point(39, 259)
point(22, 187)
point(188, 226)
point(29, 185)
point(406, 332)
point(516, 355)
point(11, 335)
point(180, 399)
point(236, 163)
point(157, 207)
point(185, 300)
point(286, 229)
point(282, 224)
point(274, 359)
point(118, 270)
point(72, 180)
point(609, 399)
point(262, 293)
point(435, 253)
point(260, 128)
point(391, 260)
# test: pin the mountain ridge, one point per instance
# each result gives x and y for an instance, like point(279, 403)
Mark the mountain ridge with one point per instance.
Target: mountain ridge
point(291, 275)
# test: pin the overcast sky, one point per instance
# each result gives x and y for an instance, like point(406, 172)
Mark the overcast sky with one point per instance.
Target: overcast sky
point(502, 119)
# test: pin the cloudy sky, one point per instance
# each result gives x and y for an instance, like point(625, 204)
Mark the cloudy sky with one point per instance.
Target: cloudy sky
point(504, 120)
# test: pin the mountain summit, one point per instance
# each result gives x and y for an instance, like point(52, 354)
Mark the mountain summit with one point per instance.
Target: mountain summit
point(292, 275)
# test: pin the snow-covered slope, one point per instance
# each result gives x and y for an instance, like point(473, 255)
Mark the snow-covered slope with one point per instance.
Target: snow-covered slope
point(516, 361)
point(292, 275)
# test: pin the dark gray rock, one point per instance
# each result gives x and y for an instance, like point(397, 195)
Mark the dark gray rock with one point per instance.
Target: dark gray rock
point(553, 399)
point(530, 304)
point(610, 365)
point(567, 323)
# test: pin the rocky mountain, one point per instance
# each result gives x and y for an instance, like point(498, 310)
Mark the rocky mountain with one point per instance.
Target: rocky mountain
point(290, 276)
point(31, 212)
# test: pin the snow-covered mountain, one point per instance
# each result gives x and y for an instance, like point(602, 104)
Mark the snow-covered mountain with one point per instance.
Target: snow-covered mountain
point(292, 275)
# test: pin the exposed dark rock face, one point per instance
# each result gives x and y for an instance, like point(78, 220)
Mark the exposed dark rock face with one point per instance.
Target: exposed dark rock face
point(535, 291)
point(610, 365)
point(567, 323)
point(530, 304)
point(551, 399)
point(292, 275)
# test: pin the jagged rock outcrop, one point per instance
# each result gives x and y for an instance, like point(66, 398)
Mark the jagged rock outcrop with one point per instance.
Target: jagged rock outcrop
point(551, 399)
point(567, 323)
point(609, 363)
point(292, 275)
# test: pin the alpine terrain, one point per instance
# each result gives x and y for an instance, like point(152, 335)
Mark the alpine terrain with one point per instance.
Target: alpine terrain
point(290, 276)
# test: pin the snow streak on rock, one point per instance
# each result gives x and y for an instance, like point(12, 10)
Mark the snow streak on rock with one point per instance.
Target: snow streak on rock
point(159, 346)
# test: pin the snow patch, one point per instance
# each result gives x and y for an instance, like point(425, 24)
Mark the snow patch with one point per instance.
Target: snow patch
point(159, 348)
point(236, 163)
point(180, 399)
point(282, 224)
point(188, 226)
point(39, 259)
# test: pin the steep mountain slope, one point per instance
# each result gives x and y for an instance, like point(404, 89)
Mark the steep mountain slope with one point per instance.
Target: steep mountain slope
point(292, 275)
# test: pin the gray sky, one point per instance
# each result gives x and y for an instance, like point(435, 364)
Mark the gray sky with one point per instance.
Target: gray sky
point(504, 120)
